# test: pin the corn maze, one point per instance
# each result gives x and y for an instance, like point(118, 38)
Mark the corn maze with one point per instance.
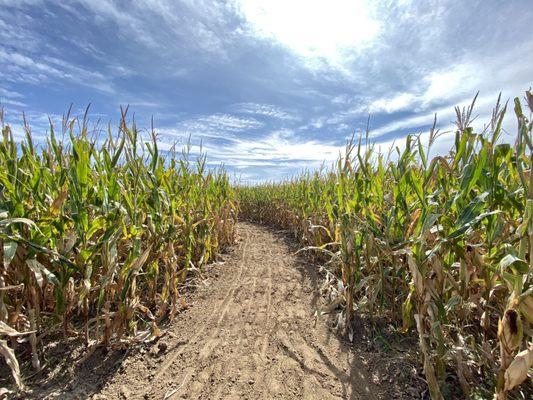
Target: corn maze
point(442, 246)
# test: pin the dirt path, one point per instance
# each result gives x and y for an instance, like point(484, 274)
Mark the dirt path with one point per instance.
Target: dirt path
point(250, 334)
point(252, 337)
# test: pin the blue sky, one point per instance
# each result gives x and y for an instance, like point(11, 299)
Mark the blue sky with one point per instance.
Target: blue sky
point(268, 87)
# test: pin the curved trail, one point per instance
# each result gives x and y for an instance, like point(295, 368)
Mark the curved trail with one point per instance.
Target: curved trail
point(250, 335)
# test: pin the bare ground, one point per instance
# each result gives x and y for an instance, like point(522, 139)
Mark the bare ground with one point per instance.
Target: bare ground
point(249, 333)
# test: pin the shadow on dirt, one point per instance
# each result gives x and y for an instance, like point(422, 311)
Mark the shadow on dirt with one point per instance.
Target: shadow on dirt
point(390, 358)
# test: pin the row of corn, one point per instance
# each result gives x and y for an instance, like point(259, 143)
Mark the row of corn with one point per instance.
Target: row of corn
point(441, 246)
point(98, 231)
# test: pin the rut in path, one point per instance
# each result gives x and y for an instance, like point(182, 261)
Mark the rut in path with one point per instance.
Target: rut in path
point(250, 334)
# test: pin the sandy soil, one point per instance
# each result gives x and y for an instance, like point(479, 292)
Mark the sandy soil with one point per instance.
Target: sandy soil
point(249, 333)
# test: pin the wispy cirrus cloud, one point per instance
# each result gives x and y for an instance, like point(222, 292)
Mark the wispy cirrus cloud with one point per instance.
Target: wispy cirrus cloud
point(10, 93)
point(265, 110)
point(10, 97)
point(18, 67)
point(184, 23)
point(223, 127)
point(12, 102)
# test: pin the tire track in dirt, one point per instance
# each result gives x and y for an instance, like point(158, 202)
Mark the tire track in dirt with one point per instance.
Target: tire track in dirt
point(250, 334)
point(222, 306)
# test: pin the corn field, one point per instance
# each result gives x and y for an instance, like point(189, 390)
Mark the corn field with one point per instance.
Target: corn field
point(443, 247)
point(97, 233)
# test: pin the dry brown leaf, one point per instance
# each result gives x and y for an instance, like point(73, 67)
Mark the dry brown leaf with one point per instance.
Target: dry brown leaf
point(11, 361)
point(517, 371)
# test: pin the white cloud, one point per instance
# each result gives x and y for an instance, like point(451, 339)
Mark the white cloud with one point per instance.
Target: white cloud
point(265, 110)
point(438, 92)
point(456, 81)
point(445, 118)
point(322, 29)
point(178, 24)
point(225, 122)
point(10, 94)
point(438, 87)
point(215, 126)
point(105, 10)
point(412, 124)
point(278, 148)
point(17, 67)
point(393, 104)
point(281, 145)
point(317, 123)
point(11, 98)
point(12, 102)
